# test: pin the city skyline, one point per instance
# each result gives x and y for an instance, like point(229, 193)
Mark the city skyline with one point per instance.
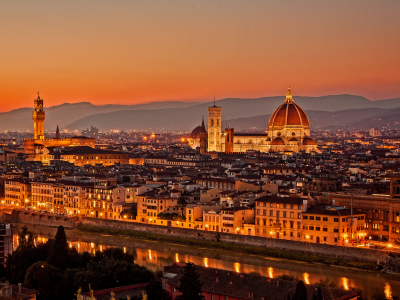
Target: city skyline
point(140, 52)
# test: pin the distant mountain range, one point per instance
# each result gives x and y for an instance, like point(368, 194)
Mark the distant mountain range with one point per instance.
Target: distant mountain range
point(329, 112)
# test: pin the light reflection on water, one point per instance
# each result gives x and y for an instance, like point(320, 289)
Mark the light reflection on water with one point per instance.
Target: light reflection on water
point(156, 259)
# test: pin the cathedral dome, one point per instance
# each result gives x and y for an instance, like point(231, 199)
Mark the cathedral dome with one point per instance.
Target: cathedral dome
point(307, 141)
point(289, 113)
point(277, 142)
point(195, 133)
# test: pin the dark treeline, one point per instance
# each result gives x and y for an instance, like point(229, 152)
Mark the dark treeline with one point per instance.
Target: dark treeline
point(57, 271)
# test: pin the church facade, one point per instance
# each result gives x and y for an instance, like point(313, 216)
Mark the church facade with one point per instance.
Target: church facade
point(288, 130)
point(35, 145)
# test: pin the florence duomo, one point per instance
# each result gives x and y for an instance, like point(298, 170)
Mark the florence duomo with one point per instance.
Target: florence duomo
point(288, 130)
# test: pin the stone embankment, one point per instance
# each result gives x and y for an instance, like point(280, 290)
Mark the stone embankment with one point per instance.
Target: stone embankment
point(336, 252)
point(40, 218)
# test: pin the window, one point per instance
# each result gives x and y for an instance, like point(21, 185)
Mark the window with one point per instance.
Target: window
point(375, 226)
point(318, 218)
point(336, 230)
point(305, 217)
point(311, 227)
point(325, 219)
point(311, 217)
point(325, 238)
point(335, 219)
point(335, 240)
point(318, 228)
point(291, 215)
point(284, 214)
point(325, 229)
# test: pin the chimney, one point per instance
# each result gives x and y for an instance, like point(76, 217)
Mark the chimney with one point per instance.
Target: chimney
point(305, 205)
point(20, 288)
point(333, 202)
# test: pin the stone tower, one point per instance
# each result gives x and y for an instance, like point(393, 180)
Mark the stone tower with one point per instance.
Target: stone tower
point(58, 133)
point(214, 128)
point(203, 138)
point(38, 119)
point(229, 134)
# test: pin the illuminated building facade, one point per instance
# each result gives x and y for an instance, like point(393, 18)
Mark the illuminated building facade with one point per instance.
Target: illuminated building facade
point(35, 145)
point(288, 130)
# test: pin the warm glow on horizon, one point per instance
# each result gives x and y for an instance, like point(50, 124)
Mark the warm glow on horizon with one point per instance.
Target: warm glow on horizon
point(131, 52)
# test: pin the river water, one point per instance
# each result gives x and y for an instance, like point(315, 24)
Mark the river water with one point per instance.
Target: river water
point(155, 255)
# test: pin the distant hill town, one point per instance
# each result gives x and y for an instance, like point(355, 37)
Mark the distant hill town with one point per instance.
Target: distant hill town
point(326, 112)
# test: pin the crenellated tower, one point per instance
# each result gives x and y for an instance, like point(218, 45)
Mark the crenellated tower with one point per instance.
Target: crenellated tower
point(214, 128)
point(38, 119)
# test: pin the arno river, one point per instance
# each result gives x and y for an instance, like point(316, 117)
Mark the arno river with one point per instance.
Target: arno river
point(155, 255)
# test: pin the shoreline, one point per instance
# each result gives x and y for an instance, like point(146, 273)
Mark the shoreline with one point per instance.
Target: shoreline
point(260, 253)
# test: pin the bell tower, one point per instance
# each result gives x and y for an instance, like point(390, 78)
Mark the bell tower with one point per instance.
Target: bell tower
point(38, 119)
point(214, 128)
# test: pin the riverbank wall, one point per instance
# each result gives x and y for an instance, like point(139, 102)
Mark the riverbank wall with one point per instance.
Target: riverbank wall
point(37, 218)
point(337, 252)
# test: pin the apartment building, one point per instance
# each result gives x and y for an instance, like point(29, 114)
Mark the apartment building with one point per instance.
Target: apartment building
point(75, 197)
point(149, 207)
point(333, 225)
point(17, 192)
point(42, 195)
point(234, 219)
point(279, 217)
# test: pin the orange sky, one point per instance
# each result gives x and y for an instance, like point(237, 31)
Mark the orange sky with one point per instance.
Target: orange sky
point(139, 51)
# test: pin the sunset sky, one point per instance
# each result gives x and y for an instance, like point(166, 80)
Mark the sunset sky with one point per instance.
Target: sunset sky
point(136, 51)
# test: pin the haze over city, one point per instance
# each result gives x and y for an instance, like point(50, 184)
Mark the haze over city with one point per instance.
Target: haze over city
point(129, 52)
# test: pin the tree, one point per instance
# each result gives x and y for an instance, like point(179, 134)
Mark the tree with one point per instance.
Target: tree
point(301, 291)
point(182, 203)
point(46, 279)
point(190, 285)
point(155, 291)
point(59, 254)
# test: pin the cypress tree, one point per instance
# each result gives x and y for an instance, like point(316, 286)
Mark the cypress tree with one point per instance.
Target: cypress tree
point(58, 254)
point(190, 285)
point(301, 291)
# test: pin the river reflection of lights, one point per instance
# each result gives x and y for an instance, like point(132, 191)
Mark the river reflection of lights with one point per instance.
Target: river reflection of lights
point(92, 245)
point(270, 272)
point(177, 257)
point(150, 254)
point(70, 245)
point(306, 277)
point(205, 260)
point(388, 291)
point(345, 282)
point(237, 267)
point(124, 249)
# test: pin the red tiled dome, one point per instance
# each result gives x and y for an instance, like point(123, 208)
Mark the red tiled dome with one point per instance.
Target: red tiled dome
point(309, 141)
point(289, 113)
point(277, 142)
point(195, 133)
